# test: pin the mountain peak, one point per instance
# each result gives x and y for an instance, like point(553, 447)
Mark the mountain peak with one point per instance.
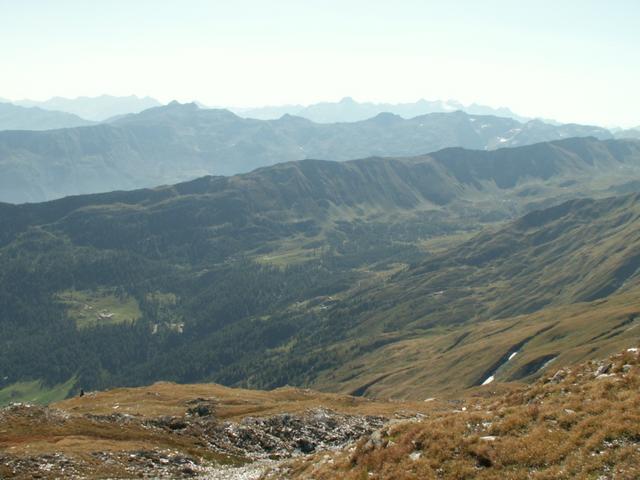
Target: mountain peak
point(177, 104)
point(386, 117)
point(287, 117)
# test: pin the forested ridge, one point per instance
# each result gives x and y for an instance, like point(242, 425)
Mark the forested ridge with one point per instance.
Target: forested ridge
point(282, 275)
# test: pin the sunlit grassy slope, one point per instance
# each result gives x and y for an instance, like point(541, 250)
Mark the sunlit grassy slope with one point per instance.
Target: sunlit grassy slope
point(579, 422)
point(35, 392)
point(559, 285)
point(89, 308)
point(448, 360)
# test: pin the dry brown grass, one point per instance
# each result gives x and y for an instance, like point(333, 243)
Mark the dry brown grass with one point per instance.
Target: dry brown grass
point(164, 398)
point(32, 435)
point(71, 428)
point(578, 428)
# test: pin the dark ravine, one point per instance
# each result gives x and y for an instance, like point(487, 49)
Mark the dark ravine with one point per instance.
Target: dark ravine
point(508, 355)
point(533, 366)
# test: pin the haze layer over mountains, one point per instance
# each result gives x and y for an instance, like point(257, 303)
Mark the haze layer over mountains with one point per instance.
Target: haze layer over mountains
point(178, 142)
point(95, 109)
point(106, 107)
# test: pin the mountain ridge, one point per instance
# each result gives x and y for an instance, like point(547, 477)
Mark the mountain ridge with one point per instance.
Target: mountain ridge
point(349, 110)
point(325, 273)
point(96, 109)
point(13, 117)
point(140, 150)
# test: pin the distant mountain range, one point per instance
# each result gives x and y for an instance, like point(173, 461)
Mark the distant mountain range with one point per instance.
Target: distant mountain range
point(96, 109)
point(629, 133)
point(13, 117)
point(108, 107)
point(349, 110)
point(178, 142)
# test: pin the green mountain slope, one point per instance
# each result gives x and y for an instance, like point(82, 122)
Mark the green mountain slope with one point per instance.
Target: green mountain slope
point(174, 143)
point(292, 273)
point(582, 250)
point(309, 193)
point(558, 284)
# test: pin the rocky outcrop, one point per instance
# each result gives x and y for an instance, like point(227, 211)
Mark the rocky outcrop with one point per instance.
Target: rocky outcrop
point(239, 444)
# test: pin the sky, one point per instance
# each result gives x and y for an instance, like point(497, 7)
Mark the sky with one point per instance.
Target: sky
point(570, 60)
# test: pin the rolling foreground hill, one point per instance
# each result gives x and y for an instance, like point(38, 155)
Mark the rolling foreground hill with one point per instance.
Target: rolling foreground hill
point(180, 142)
point(365, 277)
point(182, 431)
point(580, 421)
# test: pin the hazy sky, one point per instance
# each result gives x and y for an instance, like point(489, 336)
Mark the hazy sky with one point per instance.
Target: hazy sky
point(573, 60)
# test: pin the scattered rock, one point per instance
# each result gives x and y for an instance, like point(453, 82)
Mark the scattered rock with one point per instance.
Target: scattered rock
point(376, 440)
point(558, 376)
point(258, 439)
point(171, 423)
point(201, 407)
point(286, 435)
point(602, 369)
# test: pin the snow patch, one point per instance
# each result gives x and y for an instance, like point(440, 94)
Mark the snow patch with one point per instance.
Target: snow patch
point(547, 363)
point(488, 380)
